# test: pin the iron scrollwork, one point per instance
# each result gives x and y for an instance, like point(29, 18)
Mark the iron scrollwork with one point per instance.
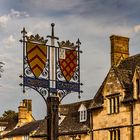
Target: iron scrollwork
point(70, 83)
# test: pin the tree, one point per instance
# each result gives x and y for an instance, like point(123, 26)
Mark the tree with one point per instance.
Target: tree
point(9, 115)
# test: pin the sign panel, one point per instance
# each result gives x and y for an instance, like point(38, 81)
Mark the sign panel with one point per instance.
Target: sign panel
point(36, 57)
point(70, 86)
point(69, 64)
point(28, 81)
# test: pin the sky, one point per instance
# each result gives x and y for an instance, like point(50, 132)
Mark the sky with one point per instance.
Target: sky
point(92, 21)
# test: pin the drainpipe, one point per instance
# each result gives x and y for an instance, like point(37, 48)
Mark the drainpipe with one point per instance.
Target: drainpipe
point(131, 120)
point(91, 125)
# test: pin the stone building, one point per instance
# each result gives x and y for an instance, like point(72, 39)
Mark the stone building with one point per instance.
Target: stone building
point(116, 106)
point(115, 109)
point(113, 113)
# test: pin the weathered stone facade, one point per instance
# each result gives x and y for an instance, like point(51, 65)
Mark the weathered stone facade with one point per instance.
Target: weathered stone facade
point(116, 106)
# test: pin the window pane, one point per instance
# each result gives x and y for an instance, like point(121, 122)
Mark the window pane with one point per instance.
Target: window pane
point(110, 105)
point(137, 87)
point(118, 134)
point(111, 135)
point(118, 104)
point(114, 105)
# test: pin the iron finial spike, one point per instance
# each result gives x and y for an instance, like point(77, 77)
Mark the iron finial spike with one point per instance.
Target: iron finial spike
point(78, 42)
point(23, 31)
point(52, 29)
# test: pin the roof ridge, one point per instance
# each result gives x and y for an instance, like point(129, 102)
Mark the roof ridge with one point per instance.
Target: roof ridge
point(130, 57)
point(76, 102)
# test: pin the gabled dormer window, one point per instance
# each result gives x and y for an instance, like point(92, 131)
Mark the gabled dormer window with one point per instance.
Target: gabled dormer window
point(82, 113)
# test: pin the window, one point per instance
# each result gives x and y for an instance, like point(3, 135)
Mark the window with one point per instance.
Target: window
point(114, 134)
point(83, 113)
point(2, 128)
point(26, 137)
point(113, 104)
point(10, 138)
point(83, 116)
point(138, 88)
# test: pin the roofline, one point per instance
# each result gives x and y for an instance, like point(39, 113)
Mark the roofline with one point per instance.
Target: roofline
point(63, 133)
point(76, 102)
point(73, 132)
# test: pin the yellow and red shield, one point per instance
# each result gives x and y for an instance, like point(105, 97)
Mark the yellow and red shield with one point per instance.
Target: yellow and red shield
point(36, 57)
point(68, 63)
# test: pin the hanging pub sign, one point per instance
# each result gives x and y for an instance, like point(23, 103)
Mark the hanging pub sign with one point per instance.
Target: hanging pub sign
point(50, 69)
point(68, 61)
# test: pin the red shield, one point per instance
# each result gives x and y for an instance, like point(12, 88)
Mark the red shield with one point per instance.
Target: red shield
point(36, 57)
point(68, 63)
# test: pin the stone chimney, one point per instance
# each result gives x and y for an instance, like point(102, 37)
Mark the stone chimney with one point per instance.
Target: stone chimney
point(119, 49)
point(28, 105)
point(25, 112)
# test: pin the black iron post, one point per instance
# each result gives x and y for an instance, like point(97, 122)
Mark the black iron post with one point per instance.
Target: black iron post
point(52, 117)
point(52, 80)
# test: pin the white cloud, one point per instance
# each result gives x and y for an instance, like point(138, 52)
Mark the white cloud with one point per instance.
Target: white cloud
point(41, 25)
point(137, 28)
point(12, 15)
point(3, 20)
point(9, 41)
point(17, 14)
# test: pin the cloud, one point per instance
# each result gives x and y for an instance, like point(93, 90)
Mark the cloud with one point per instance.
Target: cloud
point(137, 28)
point(9, 41)
point(17, 14)
point(93, 21)
point(3, 20)
point(41, 25)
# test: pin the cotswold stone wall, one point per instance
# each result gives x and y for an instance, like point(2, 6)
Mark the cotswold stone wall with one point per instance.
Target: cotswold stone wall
point(103, 122)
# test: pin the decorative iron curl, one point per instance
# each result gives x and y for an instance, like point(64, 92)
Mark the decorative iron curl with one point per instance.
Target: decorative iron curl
point(28, 71)
point(59, 72)
point(45, 72)
point(42, 91)
point(62, 94)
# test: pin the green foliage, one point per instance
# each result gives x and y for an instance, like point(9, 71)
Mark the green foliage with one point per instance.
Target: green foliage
point(9, 115)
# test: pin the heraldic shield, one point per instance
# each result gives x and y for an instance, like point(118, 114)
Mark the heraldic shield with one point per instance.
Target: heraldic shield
point(68, 62)
point(36, 57)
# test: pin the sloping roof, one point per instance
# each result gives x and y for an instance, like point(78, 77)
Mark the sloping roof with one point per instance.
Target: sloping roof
point(71, 123)
point(24, 130)
point(3, 123)
point(41, 131)
point(130, 63)
point(124, 71)
point(11, 125)
point(73, 107)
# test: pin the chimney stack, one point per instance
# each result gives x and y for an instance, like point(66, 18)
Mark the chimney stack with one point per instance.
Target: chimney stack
point(119, 49)
point(25, 112)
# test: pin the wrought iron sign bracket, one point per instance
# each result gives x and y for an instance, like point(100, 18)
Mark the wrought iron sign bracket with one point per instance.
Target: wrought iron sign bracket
point(50, 70)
